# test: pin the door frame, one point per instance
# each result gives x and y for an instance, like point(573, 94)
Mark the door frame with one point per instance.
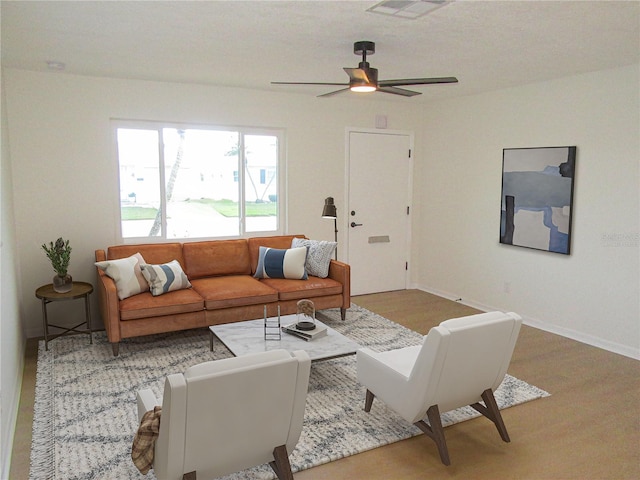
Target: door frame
point(347, 194)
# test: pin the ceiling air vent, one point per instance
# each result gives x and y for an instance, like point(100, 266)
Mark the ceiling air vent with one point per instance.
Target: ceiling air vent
point(410, 9)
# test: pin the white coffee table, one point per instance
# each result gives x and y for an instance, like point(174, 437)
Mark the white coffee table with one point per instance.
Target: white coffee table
point(248, 337)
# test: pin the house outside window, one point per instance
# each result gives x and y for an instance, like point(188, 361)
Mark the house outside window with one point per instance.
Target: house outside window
point(184, 182)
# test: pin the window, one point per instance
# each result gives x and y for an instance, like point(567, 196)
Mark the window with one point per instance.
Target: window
point(179, 182)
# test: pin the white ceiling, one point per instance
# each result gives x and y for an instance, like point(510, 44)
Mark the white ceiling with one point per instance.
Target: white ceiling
point(488, 45)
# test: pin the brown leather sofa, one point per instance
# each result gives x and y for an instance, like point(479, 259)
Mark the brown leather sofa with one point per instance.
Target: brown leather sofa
point(223, 288)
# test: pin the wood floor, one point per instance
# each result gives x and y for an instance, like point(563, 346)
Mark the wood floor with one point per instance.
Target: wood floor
point(589, 428)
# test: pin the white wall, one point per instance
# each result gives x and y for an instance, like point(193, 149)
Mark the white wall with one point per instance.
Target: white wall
point(64, 177)
point(12, 339)
point(593, 294)
point(65, 171)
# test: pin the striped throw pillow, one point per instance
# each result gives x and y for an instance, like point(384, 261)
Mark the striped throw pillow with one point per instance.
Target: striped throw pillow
point(277, 263)
point(165, 278)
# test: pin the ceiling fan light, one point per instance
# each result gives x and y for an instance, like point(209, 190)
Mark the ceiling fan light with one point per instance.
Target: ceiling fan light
point(365, 88)
point(364, 81)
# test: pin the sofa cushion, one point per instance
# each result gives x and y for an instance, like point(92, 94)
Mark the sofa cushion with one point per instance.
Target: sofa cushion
point(154, 253)
point(298, 289)
point(216, 258)
point(282, 263)
point(126, 274)
point(279, 241)
point(319, 257)
point(146, 305)
point(233, 291)
point(164, 278)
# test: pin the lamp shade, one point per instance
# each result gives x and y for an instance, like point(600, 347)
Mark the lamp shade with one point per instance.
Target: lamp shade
point(329, 210)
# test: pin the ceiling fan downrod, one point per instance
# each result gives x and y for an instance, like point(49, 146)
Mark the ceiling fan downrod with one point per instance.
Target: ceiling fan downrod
point(364, 48)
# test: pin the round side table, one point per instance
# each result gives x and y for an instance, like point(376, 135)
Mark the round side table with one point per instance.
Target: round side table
point(47, 294)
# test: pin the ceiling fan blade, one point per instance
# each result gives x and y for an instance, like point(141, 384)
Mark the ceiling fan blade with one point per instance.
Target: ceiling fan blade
point(308, 83)
point(399, 91)
point(417, 81)
point(334, 92)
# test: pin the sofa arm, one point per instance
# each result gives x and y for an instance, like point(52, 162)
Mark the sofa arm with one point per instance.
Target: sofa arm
point(108, 301)
point(341, 272)
point(146, 401)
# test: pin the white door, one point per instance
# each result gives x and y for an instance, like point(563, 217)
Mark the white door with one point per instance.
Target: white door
point(379, 194)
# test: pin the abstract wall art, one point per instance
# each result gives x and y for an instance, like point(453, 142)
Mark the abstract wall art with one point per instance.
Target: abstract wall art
point(537, 198)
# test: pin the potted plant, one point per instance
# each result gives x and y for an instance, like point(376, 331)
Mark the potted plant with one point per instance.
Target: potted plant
point(60, 255)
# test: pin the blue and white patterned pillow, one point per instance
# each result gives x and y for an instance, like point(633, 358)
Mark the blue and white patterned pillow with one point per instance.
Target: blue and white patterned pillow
point(277, 263)
point(319, 257)
point(165, 278)
point(127, 275)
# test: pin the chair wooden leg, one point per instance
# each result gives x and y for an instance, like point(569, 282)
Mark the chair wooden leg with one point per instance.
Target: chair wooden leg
point(343, 313)
point(189, 476)
point(492, 412)
point(436, 432)
point(368, 401)
point(281, 465)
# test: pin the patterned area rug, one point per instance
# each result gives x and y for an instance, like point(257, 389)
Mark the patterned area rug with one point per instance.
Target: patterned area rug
point(85, 408)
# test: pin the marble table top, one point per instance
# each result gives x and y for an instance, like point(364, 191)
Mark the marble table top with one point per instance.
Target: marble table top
point(248, 337)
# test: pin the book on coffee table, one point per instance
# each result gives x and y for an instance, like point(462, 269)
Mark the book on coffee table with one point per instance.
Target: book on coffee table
point(319, 331)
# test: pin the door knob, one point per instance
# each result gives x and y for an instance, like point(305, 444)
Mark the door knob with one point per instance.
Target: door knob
point(354, 224)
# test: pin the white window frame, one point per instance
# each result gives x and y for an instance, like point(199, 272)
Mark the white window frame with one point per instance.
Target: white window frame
point(242, 132)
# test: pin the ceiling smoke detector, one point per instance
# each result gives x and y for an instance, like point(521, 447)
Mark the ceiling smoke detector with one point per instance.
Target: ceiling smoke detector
point(410, 9)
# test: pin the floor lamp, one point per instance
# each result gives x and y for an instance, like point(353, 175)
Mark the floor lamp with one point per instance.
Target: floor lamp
point(330, 211)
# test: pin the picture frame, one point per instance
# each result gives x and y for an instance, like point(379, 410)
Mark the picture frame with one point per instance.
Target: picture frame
point(537, 197)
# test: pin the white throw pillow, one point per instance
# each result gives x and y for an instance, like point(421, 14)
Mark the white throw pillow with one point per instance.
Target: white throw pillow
point(165, 278)
point(319, 257)
point(127, 275)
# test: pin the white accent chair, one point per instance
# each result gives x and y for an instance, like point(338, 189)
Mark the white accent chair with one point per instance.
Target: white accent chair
point(460, 362)
point(228, 415)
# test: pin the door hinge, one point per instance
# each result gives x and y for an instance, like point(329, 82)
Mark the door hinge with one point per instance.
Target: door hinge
point(406, 265)
point(409, 153)
point(407, 210)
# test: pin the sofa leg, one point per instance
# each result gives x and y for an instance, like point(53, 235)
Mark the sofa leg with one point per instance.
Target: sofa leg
point(343, 313)
point(116, 348)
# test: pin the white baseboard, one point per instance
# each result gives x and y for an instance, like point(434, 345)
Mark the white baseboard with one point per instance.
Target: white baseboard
point(9, 431)
point(581, 337)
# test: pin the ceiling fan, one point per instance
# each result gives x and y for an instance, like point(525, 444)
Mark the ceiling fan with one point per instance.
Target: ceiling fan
point(365, 78)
